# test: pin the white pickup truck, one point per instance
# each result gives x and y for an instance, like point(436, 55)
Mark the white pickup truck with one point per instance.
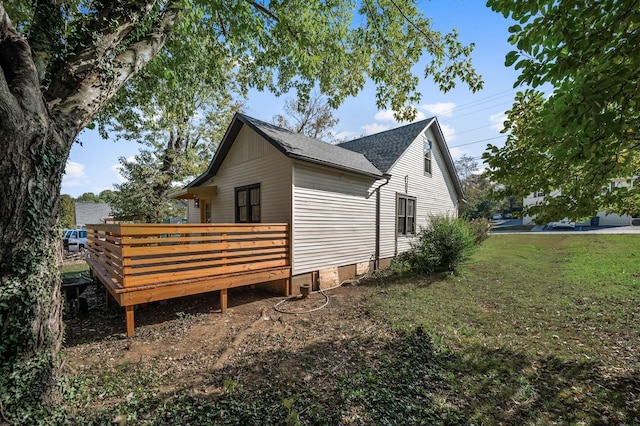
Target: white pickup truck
point(74, 239)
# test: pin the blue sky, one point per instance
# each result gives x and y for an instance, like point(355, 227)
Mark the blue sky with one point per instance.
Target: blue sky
point(469, 120)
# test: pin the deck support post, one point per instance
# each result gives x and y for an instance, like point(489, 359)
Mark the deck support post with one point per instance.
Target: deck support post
point(287, 287)
point(223, 300)
point(129, 319)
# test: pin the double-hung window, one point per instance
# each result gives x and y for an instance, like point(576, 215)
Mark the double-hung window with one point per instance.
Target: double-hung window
point(248, 203)
point(406, 214)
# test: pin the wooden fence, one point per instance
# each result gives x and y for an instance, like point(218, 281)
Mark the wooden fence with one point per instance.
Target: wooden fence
point(140, 263)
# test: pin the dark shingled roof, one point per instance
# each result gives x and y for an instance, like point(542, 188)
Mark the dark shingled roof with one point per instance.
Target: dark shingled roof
point(383, 149)
point(293, 145)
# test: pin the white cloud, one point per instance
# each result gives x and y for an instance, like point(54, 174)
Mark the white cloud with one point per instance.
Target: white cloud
point(74, 175)
point(370, 129)
point(388, 116)
point(448, 132)
point(384, 115)
point(497, 120)
point(456, 152)
point(441, 109)
point(480, 170)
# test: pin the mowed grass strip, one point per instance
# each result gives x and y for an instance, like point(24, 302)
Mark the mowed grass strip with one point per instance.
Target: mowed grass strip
point(541, 329)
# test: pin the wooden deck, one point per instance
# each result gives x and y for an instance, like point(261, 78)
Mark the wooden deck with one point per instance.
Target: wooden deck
point(141, 263)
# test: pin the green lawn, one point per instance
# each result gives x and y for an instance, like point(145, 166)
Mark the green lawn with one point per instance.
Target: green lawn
point(75, 268)
point(536, 330)
point(540, 328)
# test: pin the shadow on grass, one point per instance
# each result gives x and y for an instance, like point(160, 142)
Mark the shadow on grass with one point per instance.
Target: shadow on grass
point(401, 378)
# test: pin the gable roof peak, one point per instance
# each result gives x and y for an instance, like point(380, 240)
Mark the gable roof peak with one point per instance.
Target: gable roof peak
point(383, 149)
point(293, 145)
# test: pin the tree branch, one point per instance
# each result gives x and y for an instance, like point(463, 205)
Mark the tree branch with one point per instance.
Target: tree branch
point(44, 34)
point(97, 87)
point(260, 8)
point(18, 77)
point(105, 31)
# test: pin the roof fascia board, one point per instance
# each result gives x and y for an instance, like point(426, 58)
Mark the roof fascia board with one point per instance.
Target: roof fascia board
point(444, 149)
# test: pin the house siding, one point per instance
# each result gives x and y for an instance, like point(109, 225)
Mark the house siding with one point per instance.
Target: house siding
point(252, 159)
point(605, 218)
point(333, 220)
point(435, 194)
point(193, 212)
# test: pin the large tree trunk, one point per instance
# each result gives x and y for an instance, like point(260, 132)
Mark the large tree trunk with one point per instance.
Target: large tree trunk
point(37, 128)
point(33, 154)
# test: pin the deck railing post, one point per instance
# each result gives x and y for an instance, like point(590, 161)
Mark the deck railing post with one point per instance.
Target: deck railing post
point(130, 320)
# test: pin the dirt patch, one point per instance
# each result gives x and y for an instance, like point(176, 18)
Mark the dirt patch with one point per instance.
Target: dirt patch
point(189, 339)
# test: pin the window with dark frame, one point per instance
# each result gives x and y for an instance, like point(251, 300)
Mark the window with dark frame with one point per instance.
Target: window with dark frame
point(406, 214)
point(427, 156)
point(248, 204)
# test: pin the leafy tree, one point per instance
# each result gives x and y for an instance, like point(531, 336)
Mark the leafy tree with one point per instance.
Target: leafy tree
point(105, 196)
point(67, 211)
point(586, 132)
point(64, 61)
point(480, 203)
point(312, 117)
point(88, 197)
point(136, 199)
point(466, 165)
point(180, 129)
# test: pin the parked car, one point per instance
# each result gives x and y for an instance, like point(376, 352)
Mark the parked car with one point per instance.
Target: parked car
point(496, 216)
point(74, 239)
point(564, 223)
point(508, 216)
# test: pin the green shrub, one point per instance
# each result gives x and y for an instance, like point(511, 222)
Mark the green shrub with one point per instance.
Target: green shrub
point(479, 228)
point(442, 245)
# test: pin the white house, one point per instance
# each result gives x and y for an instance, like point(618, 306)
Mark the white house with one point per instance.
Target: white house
point(604, 218)
point(351, 207)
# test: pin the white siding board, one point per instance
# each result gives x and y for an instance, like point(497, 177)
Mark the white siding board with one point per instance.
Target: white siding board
point(435, 194)
point(333, 221)
point(251, 160)
point(193, 212)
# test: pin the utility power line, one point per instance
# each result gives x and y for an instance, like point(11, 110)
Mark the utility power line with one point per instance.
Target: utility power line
point(481, 140)
point(481, 101)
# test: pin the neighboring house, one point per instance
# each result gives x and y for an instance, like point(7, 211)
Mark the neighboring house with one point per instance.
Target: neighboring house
point(88, 213)
point(604, 218)
point(350, 207)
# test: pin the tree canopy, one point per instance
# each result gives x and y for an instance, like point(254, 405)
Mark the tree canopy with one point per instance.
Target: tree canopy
point(312, 117)
point(137, 198)
point(571, 144)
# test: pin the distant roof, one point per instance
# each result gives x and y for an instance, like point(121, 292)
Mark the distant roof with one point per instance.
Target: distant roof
point(383, 149)
point(91, 213)
point(293, 145)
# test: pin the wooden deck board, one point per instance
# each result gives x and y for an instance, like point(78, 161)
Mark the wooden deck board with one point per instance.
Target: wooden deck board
point(144, 263)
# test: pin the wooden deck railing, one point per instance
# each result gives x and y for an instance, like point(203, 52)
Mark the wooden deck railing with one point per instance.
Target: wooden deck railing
point(135, 261)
